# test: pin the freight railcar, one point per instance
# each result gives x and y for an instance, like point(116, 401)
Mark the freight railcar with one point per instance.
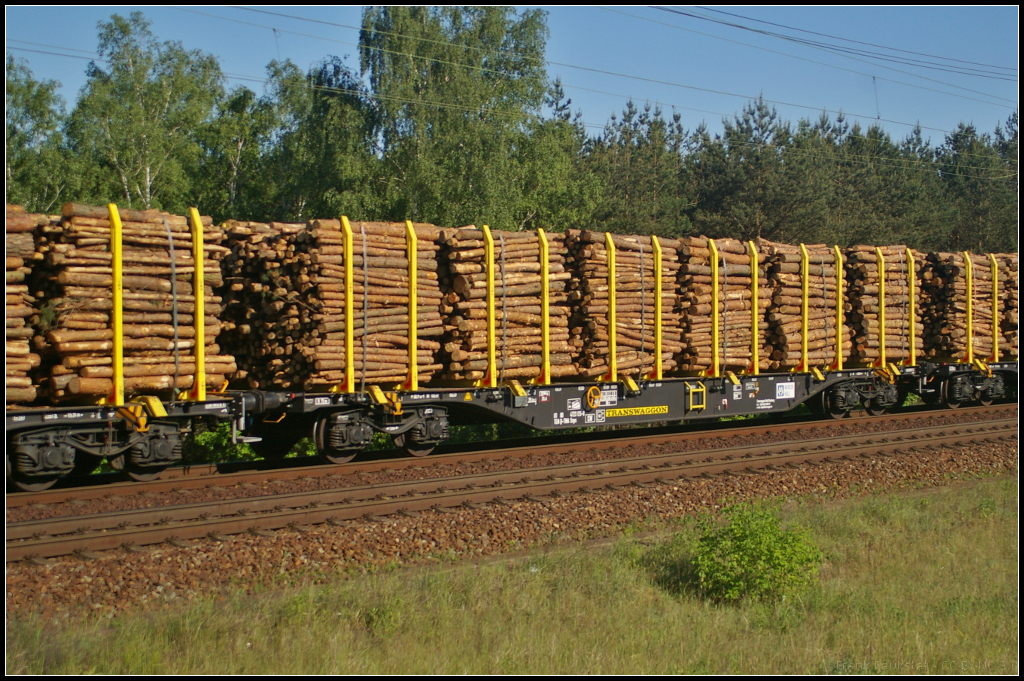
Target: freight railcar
point(144, 435)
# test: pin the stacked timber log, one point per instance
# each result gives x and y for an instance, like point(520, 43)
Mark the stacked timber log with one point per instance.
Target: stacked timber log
point(287, 288)
point(634, 307)
point(735, 318)
point(946, 327)
point(865, 307)
point(20, 226)
point(158, 303)
point(785, 314)
point(262, 312)
point(1009, 296)
point(518, 317)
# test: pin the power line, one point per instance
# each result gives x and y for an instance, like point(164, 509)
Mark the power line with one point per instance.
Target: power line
point(871, 54)
point(793, 56)
point(66, 49)
point(825, 49)
point(581, 68)
point(909, 61)
point(849, 40)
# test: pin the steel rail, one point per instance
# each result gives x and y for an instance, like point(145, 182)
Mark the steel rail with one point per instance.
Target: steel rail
point(63, 536)
point(196, 477)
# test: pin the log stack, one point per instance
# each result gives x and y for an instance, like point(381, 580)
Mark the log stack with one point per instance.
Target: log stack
point(946, 329)
point(20, 226)
point(293, 304)
point(1009, 296)
point(518, 317)
point(785, 313)
point(735, 304)
point(158, 303)
point(635, 304)
point(864, 303)
point(262, 313)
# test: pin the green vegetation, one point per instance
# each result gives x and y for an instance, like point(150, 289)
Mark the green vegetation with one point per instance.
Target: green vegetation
point(450, 117)
point(752, 557)
point(214, 446)
point(919, 582)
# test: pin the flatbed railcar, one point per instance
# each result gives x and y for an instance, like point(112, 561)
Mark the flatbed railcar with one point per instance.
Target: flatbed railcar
point(143, 438)
point(145, 435)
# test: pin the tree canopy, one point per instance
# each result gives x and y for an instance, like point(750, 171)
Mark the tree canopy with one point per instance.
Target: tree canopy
point(450, 117)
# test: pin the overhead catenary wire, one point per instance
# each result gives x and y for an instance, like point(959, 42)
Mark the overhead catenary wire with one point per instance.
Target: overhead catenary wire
point(836, 50)
point(859, 42)
point(804, 59)
point(908, 61)
point(564, 65)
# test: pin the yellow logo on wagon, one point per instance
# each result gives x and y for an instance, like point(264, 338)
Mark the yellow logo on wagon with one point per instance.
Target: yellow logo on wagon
point(636, 411)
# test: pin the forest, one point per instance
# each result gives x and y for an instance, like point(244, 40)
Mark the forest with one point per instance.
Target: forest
point(452, 119)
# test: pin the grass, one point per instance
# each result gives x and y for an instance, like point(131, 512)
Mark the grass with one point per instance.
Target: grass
point(919, 582)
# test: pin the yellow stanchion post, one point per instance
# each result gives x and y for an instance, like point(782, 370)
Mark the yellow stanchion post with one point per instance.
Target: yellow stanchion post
point(412, 252)
point(658, 311)
point(613, 329)
point(755, 347)
point(199, 315)
point(880, 259)
point(969, 266)
point(545, 312)
point(117, 309)
point(349, 386)
point(912, 282)
point(715, 364)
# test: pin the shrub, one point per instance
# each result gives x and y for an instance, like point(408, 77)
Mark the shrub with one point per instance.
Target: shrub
point(213, 445)
point(751, 556)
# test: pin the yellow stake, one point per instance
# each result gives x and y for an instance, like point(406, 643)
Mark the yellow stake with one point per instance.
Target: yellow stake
point(994, 357)
point(117, 310)
point(350, 365)
point(412, 252)
point(755, 348)
point(714, 307)
point(970, 308)
point(805, 265)
point(491, 381)
point(880, 259)
point(199, 315)
point(912, 280)
point(613, 329)
point(545, 319)
point(657, 375)
point(840, 316)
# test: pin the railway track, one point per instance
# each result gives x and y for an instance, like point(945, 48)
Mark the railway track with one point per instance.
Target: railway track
point(260, 472)
point(135, 529)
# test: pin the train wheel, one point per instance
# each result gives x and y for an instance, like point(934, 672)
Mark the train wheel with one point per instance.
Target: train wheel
point(818, 405)
point(330, 455)
point(414, 449)
point(339, 458)
point(35, 484)
point(948, 400)
point(147, 474)
point(874, 409)
point(833, 410)
point(27, 483)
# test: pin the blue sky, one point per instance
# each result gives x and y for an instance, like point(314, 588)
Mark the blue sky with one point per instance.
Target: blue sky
point(705, 70)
